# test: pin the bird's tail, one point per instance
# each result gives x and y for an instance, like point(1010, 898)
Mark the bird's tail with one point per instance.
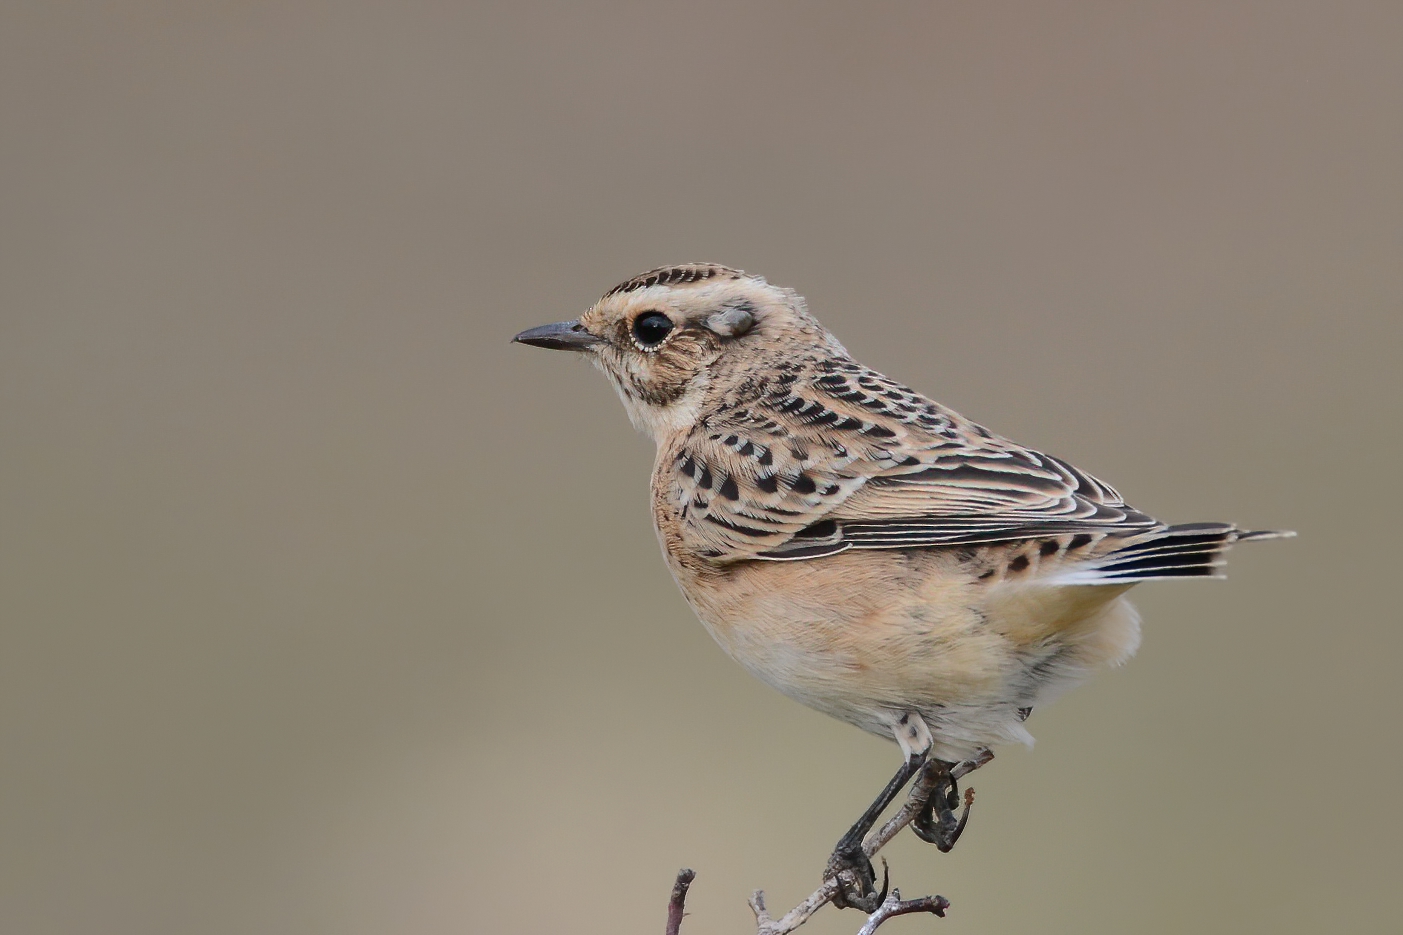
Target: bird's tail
point(1191, 550)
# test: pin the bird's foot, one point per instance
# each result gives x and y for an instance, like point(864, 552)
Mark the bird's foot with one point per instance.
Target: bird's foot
point(936, 823)
point(850, 868)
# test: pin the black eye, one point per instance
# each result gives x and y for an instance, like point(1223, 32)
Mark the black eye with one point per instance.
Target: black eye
point(651, 327)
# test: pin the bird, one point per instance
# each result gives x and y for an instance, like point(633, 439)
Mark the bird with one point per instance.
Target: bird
point(858, 546)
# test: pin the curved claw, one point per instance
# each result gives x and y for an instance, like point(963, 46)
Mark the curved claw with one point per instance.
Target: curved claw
point(952, 794)
point(881, 897)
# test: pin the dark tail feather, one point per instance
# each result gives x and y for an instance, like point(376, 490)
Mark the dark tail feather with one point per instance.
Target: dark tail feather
point(1266, 534)
point(1193, 550)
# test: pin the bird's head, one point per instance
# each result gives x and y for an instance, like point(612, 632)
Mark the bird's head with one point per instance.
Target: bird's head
point(671, 338)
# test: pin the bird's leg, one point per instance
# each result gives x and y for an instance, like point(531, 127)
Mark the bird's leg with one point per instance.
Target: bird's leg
point(857, 880)
point(936, 823)
point(849, 865)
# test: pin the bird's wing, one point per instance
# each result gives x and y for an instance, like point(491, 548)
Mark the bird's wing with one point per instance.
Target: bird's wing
point(837, 456)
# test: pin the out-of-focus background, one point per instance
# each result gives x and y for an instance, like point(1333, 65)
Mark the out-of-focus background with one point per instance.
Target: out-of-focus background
point(323, 609)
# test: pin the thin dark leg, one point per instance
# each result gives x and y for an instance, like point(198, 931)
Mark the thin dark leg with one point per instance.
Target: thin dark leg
point(847, 855)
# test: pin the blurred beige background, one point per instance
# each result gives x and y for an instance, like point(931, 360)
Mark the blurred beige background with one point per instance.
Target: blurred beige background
point(325, 610)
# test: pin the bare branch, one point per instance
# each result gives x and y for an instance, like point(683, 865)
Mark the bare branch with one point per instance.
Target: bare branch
point(896, 906)
point(679, 897)
point(757, 906)
point(795, 917)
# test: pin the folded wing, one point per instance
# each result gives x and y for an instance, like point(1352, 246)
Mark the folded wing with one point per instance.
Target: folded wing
point(831, 455)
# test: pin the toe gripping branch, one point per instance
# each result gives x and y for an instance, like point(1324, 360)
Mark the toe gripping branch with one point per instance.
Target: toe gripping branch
point(935, 822)
point(931, 813)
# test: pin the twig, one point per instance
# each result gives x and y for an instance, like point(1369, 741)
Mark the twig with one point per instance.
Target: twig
point(896, 906)
point(795, 917)
point(926, 780)
point(679, 897)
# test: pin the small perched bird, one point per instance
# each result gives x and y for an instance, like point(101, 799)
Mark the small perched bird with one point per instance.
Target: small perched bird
point(861, 548)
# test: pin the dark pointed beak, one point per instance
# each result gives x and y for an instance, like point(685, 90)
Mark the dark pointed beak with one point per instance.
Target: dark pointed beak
point(561, 336)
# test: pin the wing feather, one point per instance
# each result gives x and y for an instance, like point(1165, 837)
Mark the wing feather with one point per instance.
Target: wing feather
point(829, 455)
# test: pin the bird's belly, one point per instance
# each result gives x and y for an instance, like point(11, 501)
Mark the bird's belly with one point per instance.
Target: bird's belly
point(866, 636)
point(855, 633)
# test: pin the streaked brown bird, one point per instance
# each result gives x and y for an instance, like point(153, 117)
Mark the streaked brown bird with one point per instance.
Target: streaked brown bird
point(863, 549)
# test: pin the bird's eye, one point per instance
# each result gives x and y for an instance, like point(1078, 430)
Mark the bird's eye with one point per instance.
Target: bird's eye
point(651, 327)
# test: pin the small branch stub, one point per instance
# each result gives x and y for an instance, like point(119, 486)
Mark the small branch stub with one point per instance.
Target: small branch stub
point(676, 904)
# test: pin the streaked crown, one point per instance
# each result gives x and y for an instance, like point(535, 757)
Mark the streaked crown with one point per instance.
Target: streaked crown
point(682, 274)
